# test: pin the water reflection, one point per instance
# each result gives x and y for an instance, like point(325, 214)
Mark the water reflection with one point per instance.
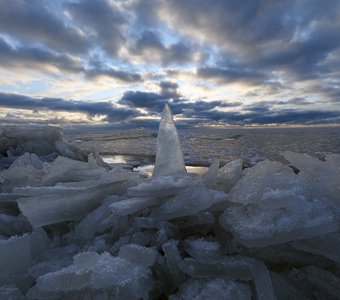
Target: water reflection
point(144, 167)
point(147, 170)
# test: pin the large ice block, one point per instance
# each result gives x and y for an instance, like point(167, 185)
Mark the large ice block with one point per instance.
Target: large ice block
point(253, 226)
point(64, 203)
point(169, 157)
point(320, 178)
point(120, 277)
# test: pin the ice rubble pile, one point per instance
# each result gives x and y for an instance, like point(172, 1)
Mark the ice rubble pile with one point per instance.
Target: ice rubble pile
point(46, 142)
point(71, 229)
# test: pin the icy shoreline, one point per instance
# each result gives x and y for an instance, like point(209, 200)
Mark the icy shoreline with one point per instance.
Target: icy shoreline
point(73, 227)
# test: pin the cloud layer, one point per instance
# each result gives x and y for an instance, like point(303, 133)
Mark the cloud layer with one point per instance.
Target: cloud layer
point(235, 62)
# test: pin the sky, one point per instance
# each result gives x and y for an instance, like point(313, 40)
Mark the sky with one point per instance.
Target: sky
point(218, 62)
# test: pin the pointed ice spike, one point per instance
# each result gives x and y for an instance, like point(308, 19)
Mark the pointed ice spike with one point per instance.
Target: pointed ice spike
point(169, 157)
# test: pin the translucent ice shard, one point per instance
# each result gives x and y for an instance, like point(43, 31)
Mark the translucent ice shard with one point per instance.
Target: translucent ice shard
point(169, 157)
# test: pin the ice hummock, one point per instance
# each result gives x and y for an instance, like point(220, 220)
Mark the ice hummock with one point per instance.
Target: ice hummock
point(74, 228)
point(169, 156)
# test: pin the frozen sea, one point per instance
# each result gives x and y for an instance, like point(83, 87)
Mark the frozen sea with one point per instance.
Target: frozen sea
point(137, 147)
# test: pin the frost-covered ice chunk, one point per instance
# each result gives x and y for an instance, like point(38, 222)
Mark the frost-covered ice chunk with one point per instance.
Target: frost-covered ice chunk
point(229, 174)
point(268, 184)
point(189, 202)
point(211, 290)
point(274, 208)
point(233, 268)
point(169, 157)
point(253, 226)
point(320, 178)
point(161, 186)
point(202, 249)
point(65, 203)
point(122, 278)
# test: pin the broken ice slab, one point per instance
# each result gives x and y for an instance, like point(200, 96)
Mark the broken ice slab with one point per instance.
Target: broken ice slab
point(13, 225)
point(212, 289)
point(166, 231)
point(324, 280)
point(315, 283)
point(202, 249)
point(174, 261)
point(190, 202)
point(27, 169)
point(121, 278)
point(69, 150)
point(283, 289)
point(209, 178)
point(132, 205)
point(253, 226)
point(15, 258)
point(64, 169)
point(321, 178)
point(98, 220)
point(229, 174)
point(169, 157)
point(270, 185)
point(327, 245)
point(283, 254)
point(201, 218)
point(163, 186)
point(226, 267)
point(66, 203)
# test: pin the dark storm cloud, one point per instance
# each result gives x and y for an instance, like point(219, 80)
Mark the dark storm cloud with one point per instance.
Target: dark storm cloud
point(101, 21)
point(303, 57)
point(114, 73)
point(150, 46)
point(292, 36)
point(264, 115)
point(154, 102)
point(112, 113)
point(40, 58)
point(32, 21)
point(35, 57)
point(226, 75)
point(169, 89)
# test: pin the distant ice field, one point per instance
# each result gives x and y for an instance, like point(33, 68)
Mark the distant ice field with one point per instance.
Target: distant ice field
point(137, 147)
